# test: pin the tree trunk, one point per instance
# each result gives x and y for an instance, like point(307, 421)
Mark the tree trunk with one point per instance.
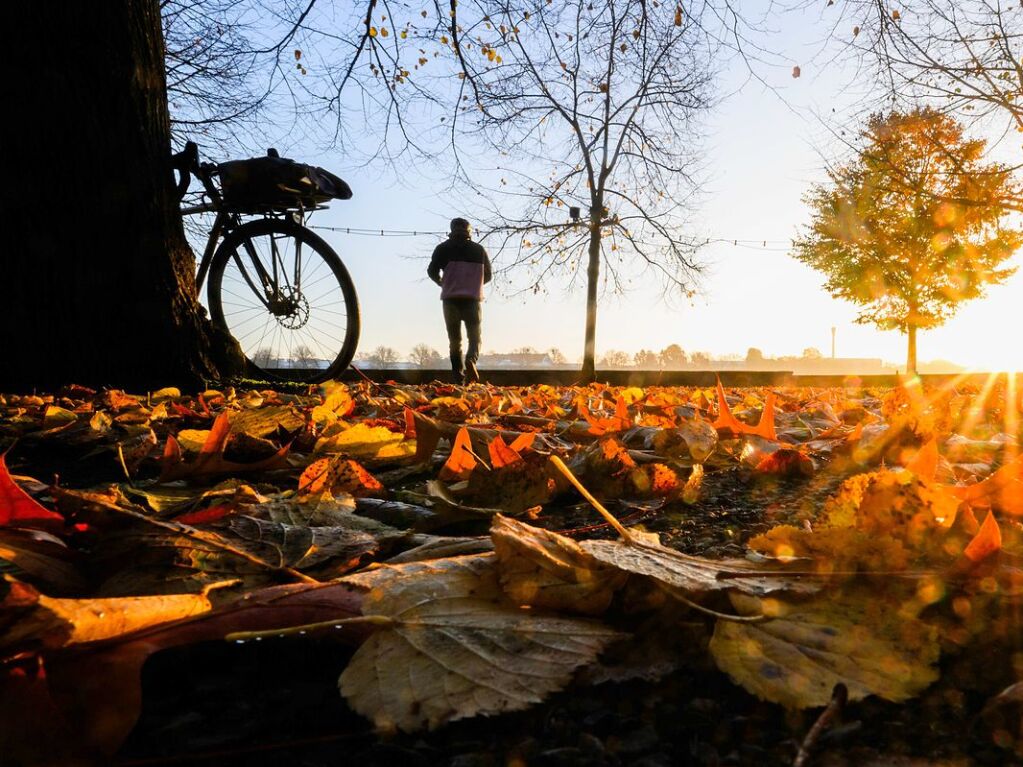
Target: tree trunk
point(99, 276)
point(589, 371)
point(911, 351)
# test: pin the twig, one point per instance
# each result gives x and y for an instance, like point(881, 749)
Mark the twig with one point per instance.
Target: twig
point(839, 696)
point(375, 620)
point(607, 515)
point(676, 593)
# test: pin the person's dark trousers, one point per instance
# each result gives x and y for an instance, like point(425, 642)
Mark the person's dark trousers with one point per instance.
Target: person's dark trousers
point(470, 312)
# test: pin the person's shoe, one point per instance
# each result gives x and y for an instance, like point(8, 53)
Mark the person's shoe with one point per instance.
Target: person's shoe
point(472, 375)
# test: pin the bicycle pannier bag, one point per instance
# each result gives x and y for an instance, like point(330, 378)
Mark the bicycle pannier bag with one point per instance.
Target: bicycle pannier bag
point(276, 182)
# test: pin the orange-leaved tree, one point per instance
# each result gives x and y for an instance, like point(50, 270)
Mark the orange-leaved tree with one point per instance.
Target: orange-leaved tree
point(913, 225)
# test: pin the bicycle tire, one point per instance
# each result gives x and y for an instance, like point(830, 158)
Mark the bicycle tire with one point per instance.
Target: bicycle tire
point(276, 231)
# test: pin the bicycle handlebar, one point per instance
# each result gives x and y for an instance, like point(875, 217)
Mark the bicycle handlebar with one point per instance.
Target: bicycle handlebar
point(186, 162)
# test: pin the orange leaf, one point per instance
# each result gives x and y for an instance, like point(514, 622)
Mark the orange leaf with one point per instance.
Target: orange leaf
point(334, 475)
point(600, 425)
point(217, 438)
point(765, 428)
point(986, 542)
point(210, 460)
point(410, 424)
point(725, 419)
point(19, 509)
point(523, 442)
point(1003, 489)
point(207, 515)
point(461, 461)
point(925, 463)
point(501, 454)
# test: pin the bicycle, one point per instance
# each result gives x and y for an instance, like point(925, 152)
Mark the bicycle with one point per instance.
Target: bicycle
point(278, 288)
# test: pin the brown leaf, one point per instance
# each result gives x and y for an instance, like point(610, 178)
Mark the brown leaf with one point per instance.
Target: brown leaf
point(339, 475)
point(454, 647)
point(697, 575)
point(543, 569)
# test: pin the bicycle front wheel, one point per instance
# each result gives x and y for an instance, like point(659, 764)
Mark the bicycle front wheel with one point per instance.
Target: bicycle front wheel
point(285, 296)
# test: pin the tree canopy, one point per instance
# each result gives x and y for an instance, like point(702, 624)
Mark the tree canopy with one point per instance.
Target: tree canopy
point(912, 226)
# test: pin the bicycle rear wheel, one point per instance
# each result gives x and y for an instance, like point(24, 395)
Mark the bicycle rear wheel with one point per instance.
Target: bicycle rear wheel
point(285, 296)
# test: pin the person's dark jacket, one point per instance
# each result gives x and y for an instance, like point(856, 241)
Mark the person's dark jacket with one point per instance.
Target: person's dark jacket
point(465, 265)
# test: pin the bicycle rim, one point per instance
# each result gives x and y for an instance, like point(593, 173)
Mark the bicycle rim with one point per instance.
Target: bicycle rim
point(287, 299)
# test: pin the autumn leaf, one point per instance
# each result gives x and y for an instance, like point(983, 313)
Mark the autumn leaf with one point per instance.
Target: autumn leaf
point(696, 575)
point(699, 436)
point(462, 461)
point(600, 425)
point(728, 422)
point(211, 462)
point(986, 542)
point(40, 558)
point(501, 454)
point(19, 509)
point(1003, 490)
point(543, 569)
point(858, 639)
point(366, 443)
point(451, 646)
point(339, 475)
point(63, 622)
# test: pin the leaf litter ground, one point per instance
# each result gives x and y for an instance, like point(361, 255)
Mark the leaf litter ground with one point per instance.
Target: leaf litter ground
point(571, 575)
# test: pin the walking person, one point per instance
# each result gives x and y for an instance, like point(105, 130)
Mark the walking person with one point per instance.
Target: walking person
point(465, 268)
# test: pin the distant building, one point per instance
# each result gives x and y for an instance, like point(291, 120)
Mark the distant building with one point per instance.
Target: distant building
point(515, 360)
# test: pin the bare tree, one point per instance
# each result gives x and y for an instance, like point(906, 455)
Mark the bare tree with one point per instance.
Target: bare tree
point(615, 359)
point(424, 356)
point(264, 357)
point(603, 96)
point(303, 357)
point(556, 355)
point(382, 357)
point(963, 55)
point(645, 358)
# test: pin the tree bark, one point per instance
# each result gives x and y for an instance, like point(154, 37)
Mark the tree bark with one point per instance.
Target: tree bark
point(589, 371)
point(100, 279)
point(911, 351)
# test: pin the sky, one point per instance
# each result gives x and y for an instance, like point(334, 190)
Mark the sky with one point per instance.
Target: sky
point(763, 149)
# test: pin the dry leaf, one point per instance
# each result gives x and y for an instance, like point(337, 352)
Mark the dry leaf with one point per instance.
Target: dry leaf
point(857, 639)
point(453, 647)
point(695, 574)
point(543, 569)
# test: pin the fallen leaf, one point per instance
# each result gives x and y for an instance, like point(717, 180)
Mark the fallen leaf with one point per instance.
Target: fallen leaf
point(210, 461)
point(797, 657)
point(543, 569)
point(986, 542)
point(697, 575)
point(461, 461)
point(454, 647)
point(19, 509)
point(339, 475)
point(62, 622)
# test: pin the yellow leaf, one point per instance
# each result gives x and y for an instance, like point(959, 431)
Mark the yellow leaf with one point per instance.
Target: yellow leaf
point(857, 639)
point(367, 443)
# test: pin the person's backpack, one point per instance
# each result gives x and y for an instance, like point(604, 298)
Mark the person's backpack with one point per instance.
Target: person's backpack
point(275, 182)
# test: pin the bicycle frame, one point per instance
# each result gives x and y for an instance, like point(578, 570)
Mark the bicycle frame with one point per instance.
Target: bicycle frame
point(223, 223)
